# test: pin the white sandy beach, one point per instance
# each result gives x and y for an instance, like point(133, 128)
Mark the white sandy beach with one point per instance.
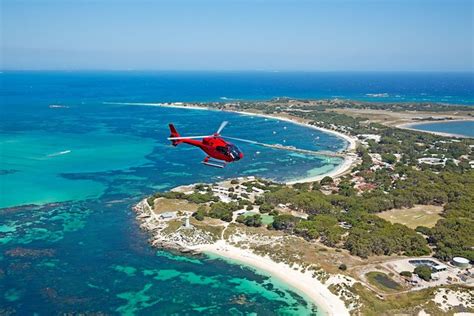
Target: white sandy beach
point(329, 303)
point(302, 282)
point(343, 168)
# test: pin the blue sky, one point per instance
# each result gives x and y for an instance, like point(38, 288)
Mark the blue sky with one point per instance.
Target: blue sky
point(317, 35)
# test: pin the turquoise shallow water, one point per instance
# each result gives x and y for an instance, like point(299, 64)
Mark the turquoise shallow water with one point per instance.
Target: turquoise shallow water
point(464, 128)
point(79, 249)
point(37, 160)
point(55, 165)
point(82, 251)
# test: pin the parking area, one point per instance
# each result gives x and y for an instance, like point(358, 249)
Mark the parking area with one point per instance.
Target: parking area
point(442, 274)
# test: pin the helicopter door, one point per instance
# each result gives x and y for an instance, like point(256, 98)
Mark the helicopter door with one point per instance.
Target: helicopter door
point(222, 149)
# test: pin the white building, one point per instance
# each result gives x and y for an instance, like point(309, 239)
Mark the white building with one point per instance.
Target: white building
point(432, 161)
point(366, 137)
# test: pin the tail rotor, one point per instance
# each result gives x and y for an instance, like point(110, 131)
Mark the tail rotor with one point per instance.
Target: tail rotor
point(174, 134)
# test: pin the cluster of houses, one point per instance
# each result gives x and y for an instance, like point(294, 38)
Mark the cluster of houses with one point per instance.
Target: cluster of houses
point(364, 138)
point(226, 191)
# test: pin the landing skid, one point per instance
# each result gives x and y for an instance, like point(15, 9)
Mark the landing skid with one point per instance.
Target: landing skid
point(213, 163)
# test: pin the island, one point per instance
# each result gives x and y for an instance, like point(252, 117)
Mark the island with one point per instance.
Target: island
point(387, 232)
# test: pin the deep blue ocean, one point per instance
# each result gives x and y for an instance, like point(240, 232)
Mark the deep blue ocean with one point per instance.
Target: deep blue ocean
point(69, 175)
point(452, 88)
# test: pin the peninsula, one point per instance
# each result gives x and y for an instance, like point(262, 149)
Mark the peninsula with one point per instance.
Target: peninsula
point(387, 232)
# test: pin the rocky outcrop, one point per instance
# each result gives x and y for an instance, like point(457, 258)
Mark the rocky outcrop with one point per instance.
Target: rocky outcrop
point(180, 239)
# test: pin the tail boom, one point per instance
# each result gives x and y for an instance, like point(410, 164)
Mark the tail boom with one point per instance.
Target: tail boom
point(174, 133)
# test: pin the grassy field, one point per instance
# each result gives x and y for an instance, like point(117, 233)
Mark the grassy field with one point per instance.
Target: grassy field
point(163, 205)
point(210, 225)
point(266, 219)
point(407, 303)
point(173, 226)
point(391, 118)
point(419, 215)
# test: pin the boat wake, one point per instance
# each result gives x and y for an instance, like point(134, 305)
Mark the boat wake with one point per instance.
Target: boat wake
point(64, 152)
point(378, 95)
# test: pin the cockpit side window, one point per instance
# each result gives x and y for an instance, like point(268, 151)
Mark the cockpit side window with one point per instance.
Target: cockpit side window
point(222, 149)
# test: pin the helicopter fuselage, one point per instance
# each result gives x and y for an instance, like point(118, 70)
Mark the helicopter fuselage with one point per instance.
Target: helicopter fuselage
point(217, 148)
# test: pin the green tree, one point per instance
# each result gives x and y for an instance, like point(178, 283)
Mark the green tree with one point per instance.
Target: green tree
point(423, 230)
point(311, 202)
point(253, 220)
point(346, 188)
point(302, 186)
point(200, 213)
point(327, 180)
point(223, 210)
point(265, 208)
point(285, 222)
point(240, 219)
point(199, 187)
point(453, 237)
point(424, 272)
point(389, 158)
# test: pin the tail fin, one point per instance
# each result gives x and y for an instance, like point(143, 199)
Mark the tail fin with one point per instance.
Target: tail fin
point(174, 133)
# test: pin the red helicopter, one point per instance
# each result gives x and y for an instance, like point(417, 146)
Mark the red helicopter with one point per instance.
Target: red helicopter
point(219, 152)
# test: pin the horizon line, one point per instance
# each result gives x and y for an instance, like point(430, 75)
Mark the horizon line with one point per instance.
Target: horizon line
point(236, 70)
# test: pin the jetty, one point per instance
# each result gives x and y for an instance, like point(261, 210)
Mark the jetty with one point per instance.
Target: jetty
point(306, 151)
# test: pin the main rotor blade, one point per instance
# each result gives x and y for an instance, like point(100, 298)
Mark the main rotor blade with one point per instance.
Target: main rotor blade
point(243, 140)
point(187, 137)
point(223, 124)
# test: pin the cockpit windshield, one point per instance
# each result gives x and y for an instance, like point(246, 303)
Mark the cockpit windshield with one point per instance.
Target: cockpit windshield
point(234, 151)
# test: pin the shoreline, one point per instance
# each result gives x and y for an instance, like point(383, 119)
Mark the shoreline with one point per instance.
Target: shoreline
point(411, 126)
point(303, 282)
point(346, 165)
point(349, 139)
